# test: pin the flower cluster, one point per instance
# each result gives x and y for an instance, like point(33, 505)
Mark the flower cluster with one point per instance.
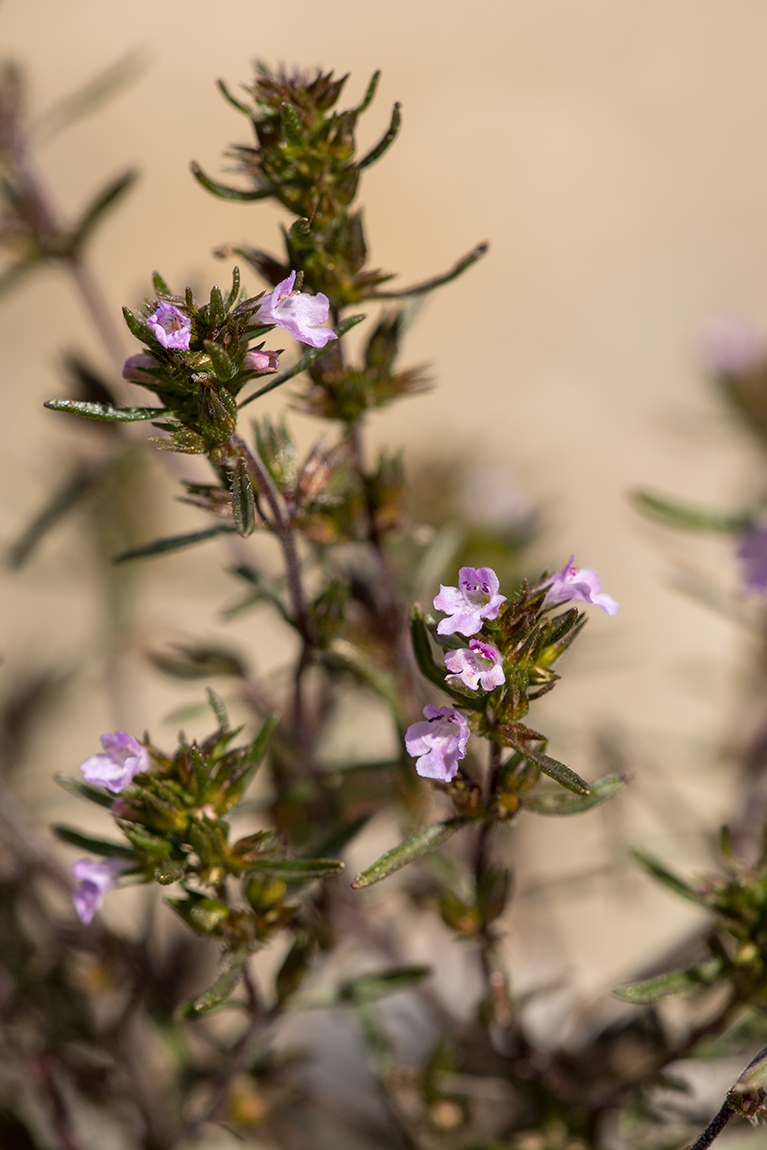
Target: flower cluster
point(115, 769)
point(439, 742)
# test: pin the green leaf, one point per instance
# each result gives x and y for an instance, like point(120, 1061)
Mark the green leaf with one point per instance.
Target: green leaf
point(63, 500)
point(92, 94)
point(85, 790)
point(218, 707)
point(239, 195)
point(235, 290)
point(243, 499)
point(106, 200)
point(223, 368)
point(555, 770)
point(299, 869)
point(223, 89)
point(651, 990)
point(422, 649)
point(256, 751)
point(99, 846)
point(370, 987)
point(305, 361)
point(160, 286)
point(369, 672)
point(438, 281)
point(292, 130)
point(364, 989)
point(385, 142)
point(334, 841)
point(411, 849)
point(672, 881)
point(138, 328)
point(688, 518)
point(216, 994)
point(367, 99)
point(173, 543)
point(104, 412)
point(568, 804)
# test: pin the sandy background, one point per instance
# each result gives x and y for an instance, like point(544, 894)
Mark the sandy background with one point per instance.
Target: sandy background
point(614, 155)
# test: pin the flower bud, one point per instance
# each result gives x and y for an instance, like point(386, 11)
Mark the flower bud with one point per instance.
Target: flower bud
point(135, 368)
point(263, 362)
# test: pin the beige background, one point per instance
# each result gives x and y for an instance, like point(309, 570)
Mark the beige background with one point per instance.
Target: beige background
point(614, 154)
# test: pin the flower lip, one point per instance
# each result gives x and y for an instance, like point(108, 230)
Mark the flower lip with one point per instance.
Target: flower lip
point(170, 326)
point(474, 599)
point(122, 759)
point(301, 315)
point(475, 666)
point(752, 552)
point(439, 742)
point(579, 585)
point(94, 879)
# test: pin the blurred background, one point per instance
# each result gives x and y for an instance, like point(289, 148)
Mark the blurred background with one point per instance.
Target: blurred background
point(613, 155)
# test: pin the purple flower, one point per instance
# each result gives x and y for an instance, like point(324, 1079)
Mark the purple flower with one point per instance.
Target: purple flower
point(135, 368)
point(581, 584)
point(94, 879)
point(261, 361)
point(439, 742)
point(730, 345)
point(122, 759)
point(474, 599)
point(752, 551)
point(301, 315)
point(170, 326)
point(478, 665)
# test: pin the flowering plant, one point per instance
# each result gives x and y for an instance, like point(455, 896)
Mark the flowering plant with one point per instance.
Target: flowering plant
point(248, 829)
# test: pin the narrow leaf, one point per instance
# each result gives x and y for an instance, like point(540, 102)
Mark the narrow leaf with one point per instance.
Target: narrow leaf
point(173, 543)
point(216, 994)
point(568, 804)
point(651, 990)
point(239, 195)
point(672, 881)
point(296, 868)
point(688, 518)
point(369, 987)
point(106, 199)
point(223, 368)
point(334, 841)
point(63, 500)
point(224, 90)
point(103, 411)
point(385, 142)
point(556, 770)
point(367, 99)
point(243, 500)
point(411, 849)
point(85, 790)
point(257, 750)
point(92, 94)
point(93, 843)
point(305, 361)
point(429, 285)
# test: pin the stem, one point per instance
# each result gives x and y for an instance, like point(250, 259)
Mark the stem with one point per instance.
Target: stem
point(93, 300)
point(239, 1058)
point(282, 529)
point(714, 1128)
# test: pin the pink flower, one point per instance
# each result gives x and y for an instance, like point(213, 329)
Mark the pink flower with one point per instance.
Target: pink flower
point(94, 879)
point(478, 665)
point(135, 368)
point(730, 345)
point(299, 314)
point(752, 551)
point(439, 742)
point(170, 326)
point(122, 759)
point(474, 599)
point(261, 361)
point(581, 584)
